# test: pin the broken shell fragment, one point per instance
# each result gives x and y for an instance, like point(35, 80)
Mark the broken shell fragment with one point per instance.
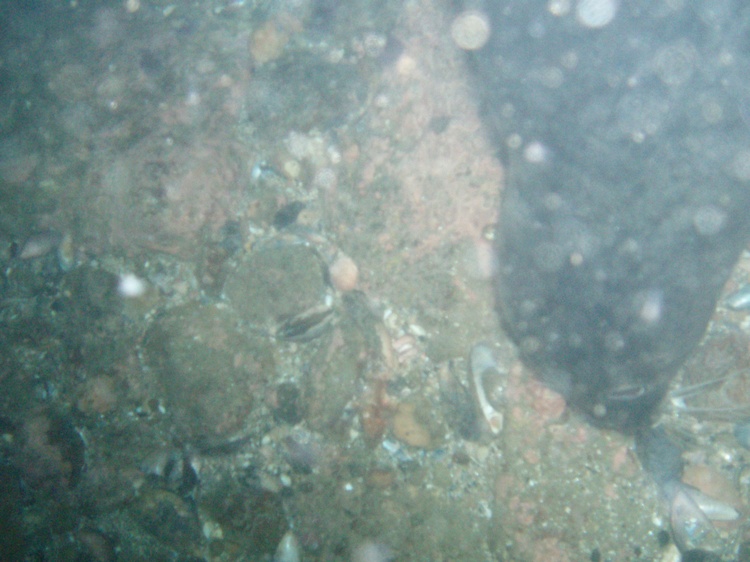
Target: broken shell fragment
point(174, 470)
point(40, 244)
point(488, 384)
point(66, 253)
point(691, 513)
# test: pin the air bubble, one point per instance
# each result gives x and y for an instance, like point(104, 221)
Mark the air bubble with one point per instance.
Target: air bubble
point(674, 64)
point(596, 14)
point(709, 220)
point(535, 153)
point(470, 30)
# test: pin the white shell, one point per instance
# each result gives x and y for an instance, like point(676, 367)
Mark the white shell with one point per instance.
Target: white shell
point(483, 364)
point(288, 549)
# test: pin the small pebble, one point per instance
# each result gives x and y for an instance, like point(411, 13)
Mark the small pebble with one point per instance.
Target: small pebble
point(267, 43)
point(288, 406)
point(381, 478)
point(344, 273)
point(408, 429)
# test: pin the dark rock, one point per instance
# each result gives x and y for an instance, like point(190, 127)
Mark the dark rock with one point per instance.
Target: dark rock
point(252, 517)
point(288, 214)
point(658, 454)
point(13, 546)
point(168, 517)
point(289, 408)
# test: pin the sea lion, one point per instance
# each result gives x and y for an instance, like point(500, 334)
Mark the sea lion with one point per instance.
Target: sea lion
point(627, 199)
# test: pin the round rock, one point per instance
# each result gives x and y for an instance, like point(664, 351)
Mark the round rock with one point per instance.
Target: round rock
point(276, 282)
point(210, 372)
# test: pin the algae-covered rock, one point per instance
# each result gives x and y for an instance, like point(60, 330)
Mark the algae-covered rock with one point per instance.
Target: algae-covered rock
point(212, 373)
point(276, 282)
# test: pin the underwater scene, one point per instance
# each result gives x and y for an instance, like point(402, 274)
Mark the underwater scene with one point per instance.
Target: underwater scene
point(373, 281)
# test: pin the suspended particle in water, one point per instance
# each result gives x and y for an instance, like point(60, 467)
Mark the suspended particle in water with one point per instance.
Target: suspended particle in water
point(470, 30)
point(595, 14)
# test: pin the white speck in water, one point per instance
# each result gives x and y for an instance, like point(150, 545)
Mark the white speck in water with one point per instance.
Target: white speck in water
point(470, 30)
point(596, 14)
point(535, 152)
point(652, 306)
point(131, 286)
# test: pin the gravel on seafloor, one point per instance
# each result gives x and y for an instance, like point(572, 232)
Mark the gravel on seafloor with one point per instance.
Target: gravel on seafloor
point(277, 258)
